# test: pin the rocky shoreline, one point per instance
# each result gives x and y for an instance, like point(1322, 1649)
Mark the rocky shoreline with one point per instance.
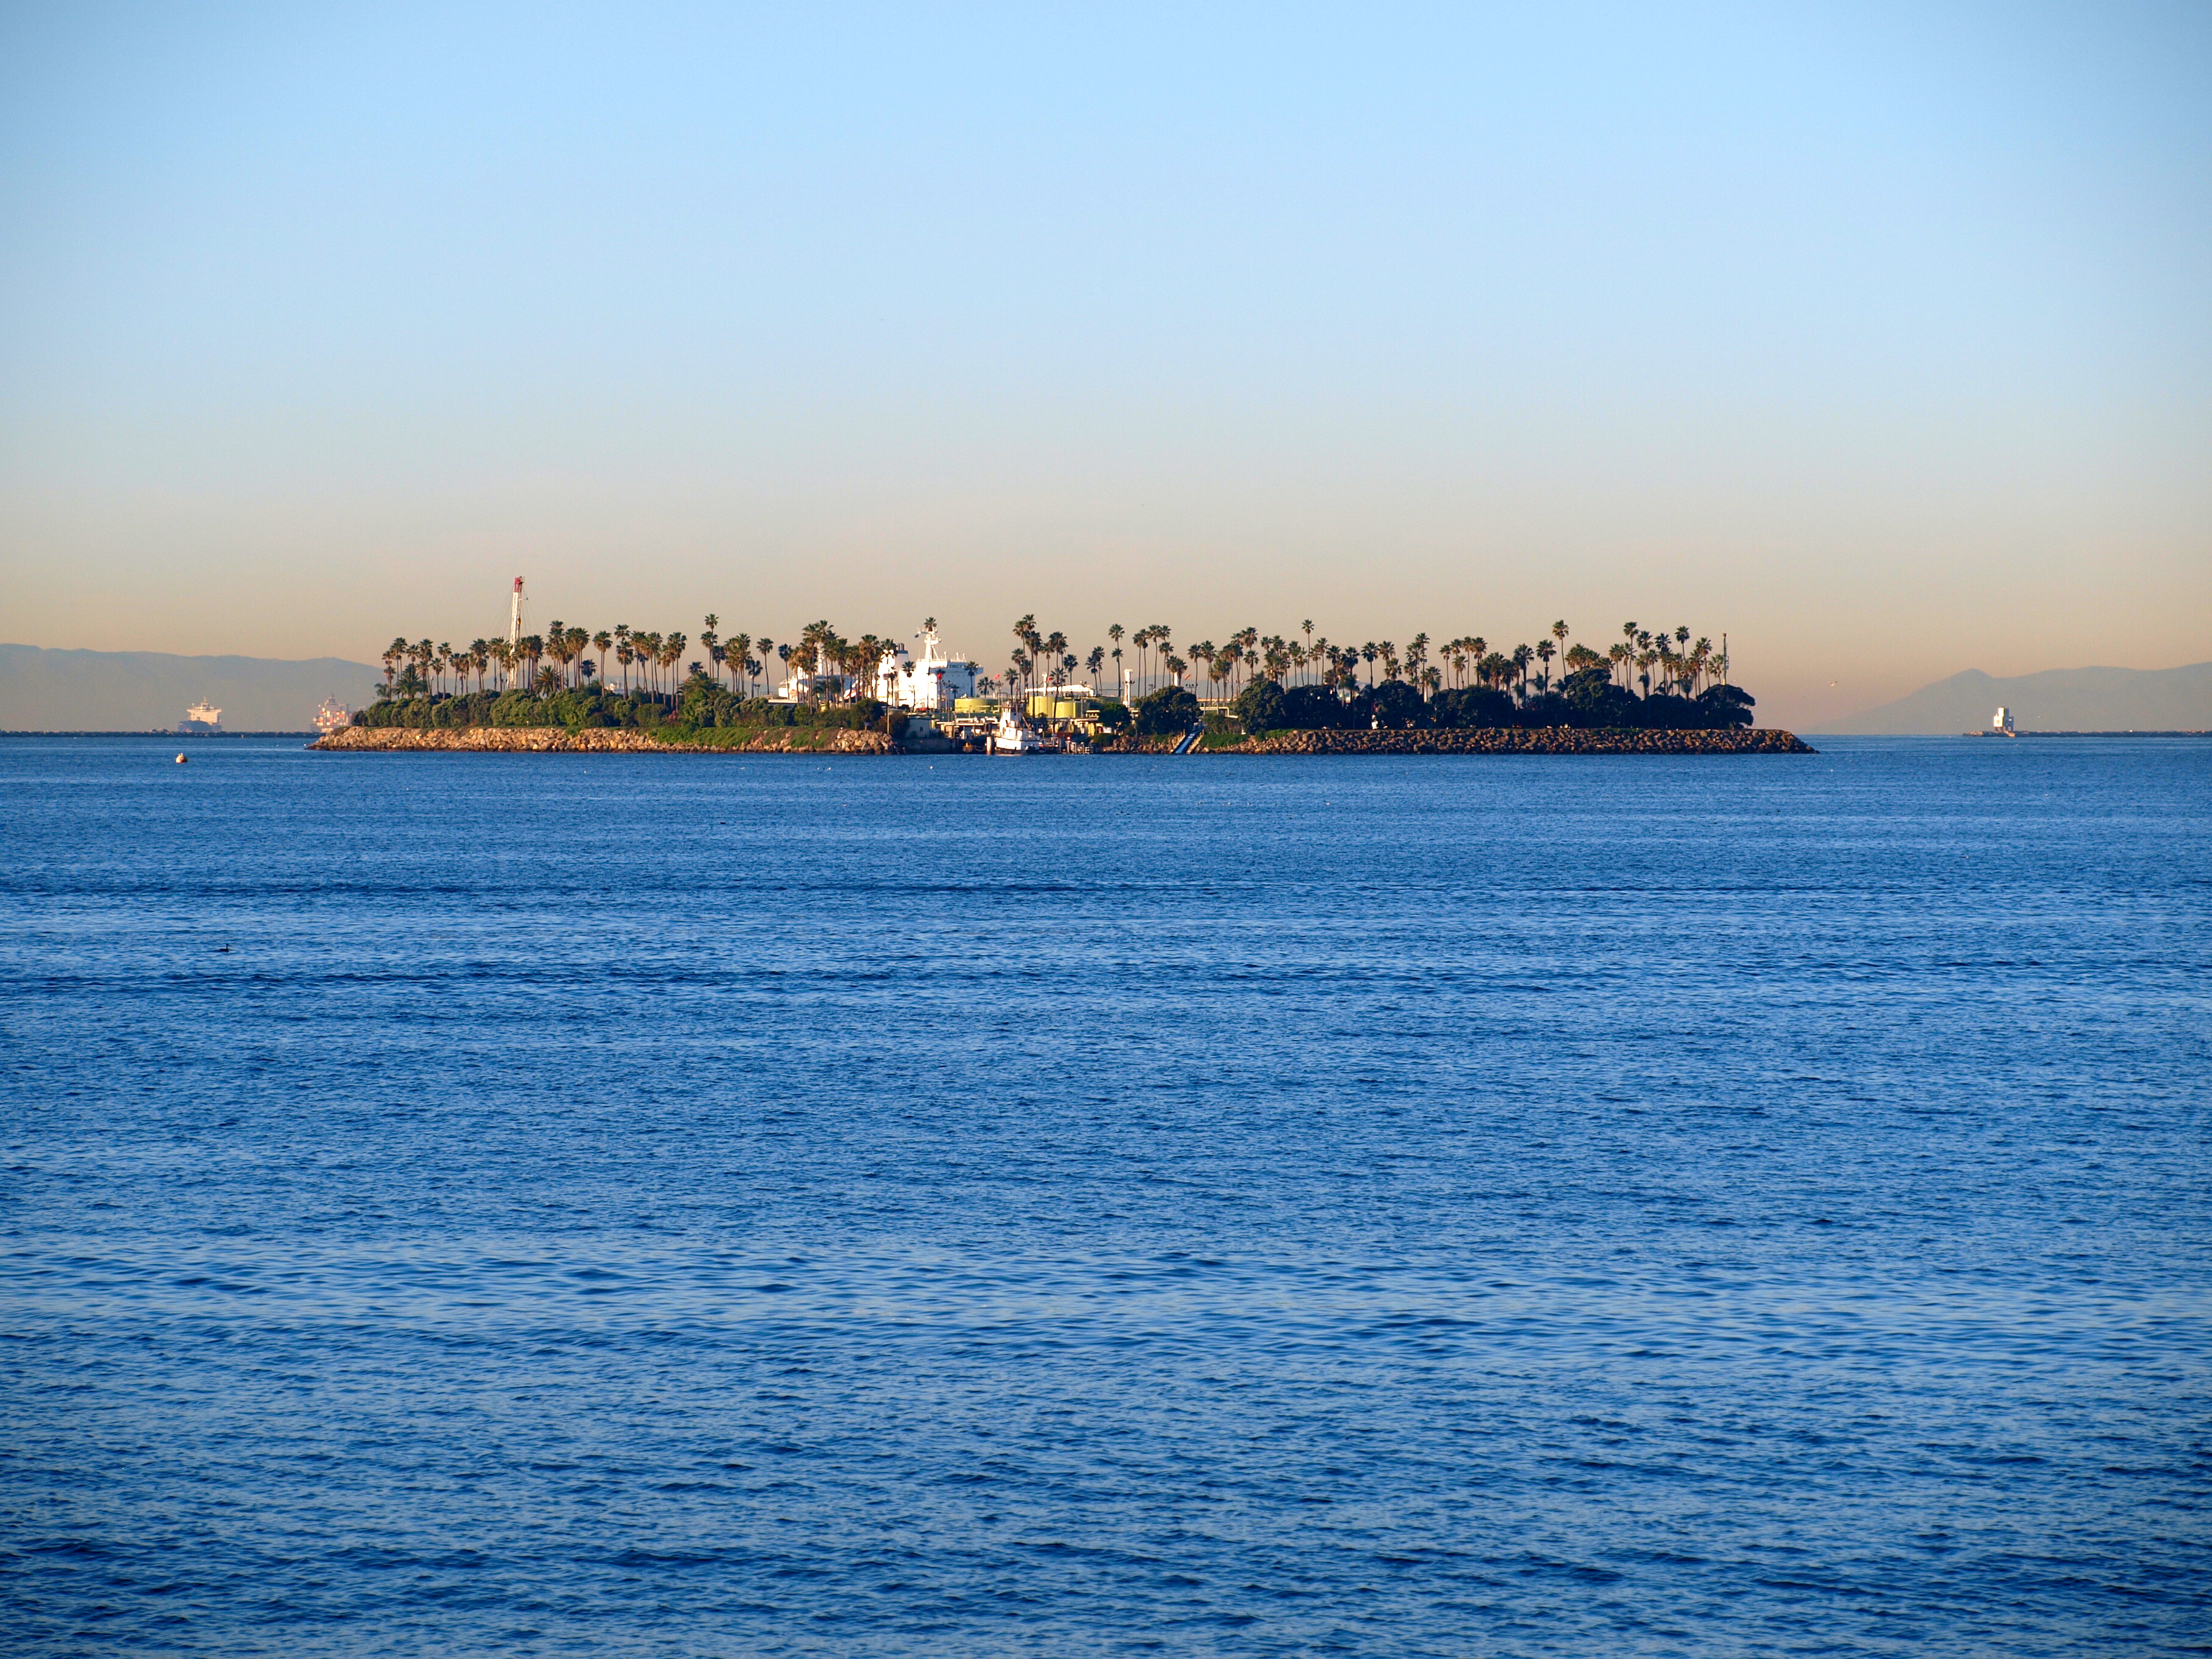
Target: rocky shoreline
point(594, 741)
point(817, 740)
point(1524, 740)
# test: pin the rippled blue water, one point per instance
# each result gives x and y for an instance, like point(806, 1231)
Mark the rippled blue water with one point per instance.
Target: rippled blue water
point(469, 1204)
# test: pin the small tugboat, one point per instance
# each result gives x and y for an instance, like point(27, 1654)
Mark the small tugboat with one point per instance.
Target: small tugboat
point(1012, 737)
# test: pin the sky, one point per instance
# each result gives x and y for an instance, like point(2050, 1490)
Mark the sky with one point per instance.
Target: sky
point(1877, 337)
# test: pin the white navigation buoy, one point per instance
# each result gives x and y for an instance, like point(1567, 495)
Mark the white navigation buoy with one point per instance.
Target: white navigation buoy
point(180, 760)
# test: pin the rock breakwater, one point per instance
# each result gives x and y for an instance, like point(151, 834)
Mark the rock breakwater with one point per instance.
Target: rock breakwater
point(559, 740)
point(1522, 741)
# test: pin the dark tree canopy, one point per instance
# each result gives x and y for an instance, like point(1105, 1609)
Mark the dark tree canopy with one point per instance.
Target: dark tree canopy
point(1171, 709)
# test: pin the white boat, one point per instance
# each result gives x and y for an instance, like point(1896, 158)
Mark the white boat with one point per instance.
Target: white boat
point(1012, 736)
point(202, 717)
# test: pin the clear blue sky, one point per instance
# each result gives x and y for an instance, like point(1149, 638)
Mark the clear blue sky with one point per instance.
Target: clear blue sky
point(1880, 337)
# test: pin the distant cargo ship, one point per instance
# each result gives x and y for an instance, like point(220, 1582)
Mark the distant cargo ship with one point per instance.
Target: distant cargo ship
point(201, 720)
point(332, 716)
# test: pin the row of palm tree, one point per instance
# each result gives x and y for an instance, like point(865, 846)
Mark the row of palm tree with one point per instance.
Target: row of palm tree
point(1649, 658)
point(555, 660)
point(560, 659)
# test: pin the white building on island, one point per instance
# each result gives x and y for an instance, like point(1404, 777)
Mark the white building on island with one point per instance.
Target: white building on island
point(930, 681)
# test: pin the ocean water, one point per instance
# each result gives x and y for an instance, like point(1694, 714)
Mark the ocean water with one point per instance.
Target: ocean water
point(536, 1204)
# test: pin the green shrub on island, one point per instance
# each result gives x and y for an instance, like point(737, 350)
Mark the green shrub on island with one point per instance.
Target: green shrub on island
point(704, 705)
point(701, 706)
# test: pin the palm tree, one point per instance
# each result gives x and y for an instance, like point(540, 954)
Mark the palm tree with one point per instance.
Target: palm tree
point(1095, 662)
point(1369, 652)
point(1545, 651)
point(1560, 631)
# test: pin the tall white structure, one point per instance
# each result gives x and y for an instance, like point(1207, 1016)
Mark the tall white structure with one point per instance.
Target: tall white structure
point(2002, 720)
point(930, 681)
point(514, 632)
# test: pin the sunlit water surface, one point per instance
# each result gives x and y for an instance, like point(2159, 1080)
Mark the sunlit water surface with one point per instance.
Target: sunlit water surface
point(486, 1204)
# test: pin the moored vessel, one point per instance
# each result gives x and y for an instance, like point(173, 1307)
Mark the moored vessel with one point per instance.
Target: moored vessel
point(1012, 735)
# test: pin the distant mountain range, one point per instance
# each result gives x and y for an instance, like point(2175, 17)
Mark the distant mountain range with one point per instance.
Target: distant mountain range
point(45, 690)
point(2057, 700)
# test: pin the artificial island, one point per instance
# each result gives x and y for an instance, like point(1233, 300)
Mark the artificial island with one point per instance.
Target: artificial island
point(568, 688)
